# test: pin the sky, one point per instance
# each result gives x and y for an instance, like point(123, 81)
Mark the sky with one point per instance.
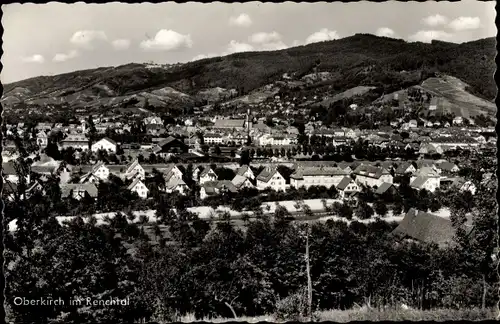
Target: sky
point(54, 38)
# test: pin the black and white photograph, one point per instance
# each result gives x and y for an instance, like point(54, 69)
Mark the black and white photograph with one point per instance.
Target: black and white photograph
point(249, 162)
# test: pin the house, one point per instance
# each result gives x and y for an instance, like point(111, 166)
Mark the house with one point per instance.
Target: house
point(429, 183)
point(428, 228)
point(105, 144)
point(212, 188)
point(371, 175)
point(240, 182)
point(76, 141)
point(404, 168)
point(246, 171)
point(459, 120)
point(212, 138)
point(271, 178)
point(98, 172)
point(155, 129)
point(448, 167)
point(170, 145)
point(386, 187)
point(41, 139)
point(347, 187)
point(134, 169)
point(138, 187)
point(464, 185)
point(208, 175)
point(78, 190)
point(413, 123)
point(172, 169)
point(153, 120)
point(176, 184)
point(317, 176)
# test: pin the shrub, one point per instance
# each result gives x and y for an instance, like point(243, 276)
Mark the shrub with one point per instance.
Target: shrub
point(293, 307)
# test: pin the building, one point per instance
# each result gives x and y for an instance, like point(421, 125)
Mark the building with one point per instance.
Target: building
point(213, 188)
point(372, 176)
point(271, 178)
point(78, 191)
point(152, 121)
point(246, 171)
point(240, 182)
point(347, 187)
point(208, 175)
point(429, 183)
point(105, 144)
point(404, 168)
point(386, 188)
point(41, 139)
point(317, 176)
point(135, 170)
point(448, 167)
point(238, 124)
point(76, 141)
point(464, 185)
point(423, 227)
point(176, 184)
point(98, 172)
point(172, 169)
point(138, 187)
point(170, 145)
point(212, 138)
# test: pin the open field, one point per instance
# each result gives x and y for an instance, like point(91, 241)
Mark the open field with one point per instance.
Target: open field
point(344, 316)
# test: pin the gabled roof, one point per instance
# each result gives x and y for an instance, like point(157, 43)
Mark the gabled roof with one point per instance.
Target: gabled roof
point(239, 180)
point(317, 171)
point(267, 174)
point(209, 186)
point(174, 182)
point(344, 183)
point(370, 171)
point(426, 227)
point(107, 139)
point(97, 166)
point(403, 167)
point(90, 188)
point(383, 188)
point(243, 169)
point(447, 166)
point(132, 165)
point(206, 171)
point(418, 182)
point(134, 183)
point(229, 123)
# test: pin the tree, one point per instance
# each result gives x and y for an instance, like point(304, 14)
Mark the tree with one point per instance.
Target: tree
point(364, 211)
point(380, 208)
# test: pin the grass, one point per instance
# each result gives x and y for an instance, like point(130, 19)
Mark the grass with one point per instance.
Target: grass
point(343, 316)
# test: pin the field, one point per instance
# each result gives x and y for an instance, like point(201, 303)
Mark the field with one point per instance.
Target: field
point(455, 99)
point(343, 316)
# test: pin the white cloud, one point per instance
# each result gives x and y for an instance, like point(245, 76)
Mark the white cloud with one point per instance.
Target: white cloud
point(385, 32)
point(204, 56)
point(121, 44)
point(426, 36)
point(465, 23)
point(435, 20)
point(243, 20)
point(85, 38)
point(167, 40)
point(62, 57)
point(262, 38)
point(274, 46)
point(237, 47)
point(36, 58)
point(322, 35)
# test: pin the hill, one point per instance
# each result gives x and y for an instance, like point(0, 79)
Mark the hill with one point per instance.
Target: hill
point(359, 60)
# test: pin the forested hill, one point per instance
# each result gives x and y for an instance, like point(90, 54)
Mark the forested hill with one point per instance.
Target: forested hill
point(361, 59)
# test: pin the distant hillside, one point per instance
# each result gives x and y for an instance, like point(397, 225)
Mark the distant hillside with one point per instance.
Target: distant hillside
point(360, 60)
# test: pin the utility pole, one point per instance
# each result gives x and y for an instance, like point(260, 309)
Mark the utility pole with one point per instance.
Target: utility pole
point(309, 282)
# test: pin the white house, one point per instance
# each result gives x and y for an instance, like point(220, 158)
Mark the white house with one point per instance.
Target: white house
point(347, 187)
point(246, 171)
point(172, 169)
point(405, 167)
point(134, 170)
point(458, 120)
point(176, 184)
point(317, 176)
point(271, 178)
point(427, 183)
point(106, 144)
point(208, 175)
point(76, 141)
point(212, 138)
point(372, 176)
point(98, 172)
point(140, 188)
point(240, 182)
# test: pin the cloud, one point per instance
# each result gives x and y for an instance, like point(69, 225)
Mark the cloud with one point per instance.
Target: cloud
point(426, 36)
point(243, 20)
point(204, 56)
point(322, 35)
point(296, 43)
point(385, 32)
point(85, 38)
point(121, 44)
point(36, 58)
point(465, 23)
point(62, 57)
point(262, 38)
point(237, 47)
point(435, 20)
point(167, 40)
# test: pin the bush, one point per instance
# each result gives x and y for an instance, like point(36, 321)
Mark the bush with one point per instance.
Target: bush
point(293, 307)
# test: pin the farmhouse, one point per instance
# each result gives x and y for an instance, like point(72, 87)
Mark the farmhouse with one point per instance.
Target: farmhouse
point(347, 187)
